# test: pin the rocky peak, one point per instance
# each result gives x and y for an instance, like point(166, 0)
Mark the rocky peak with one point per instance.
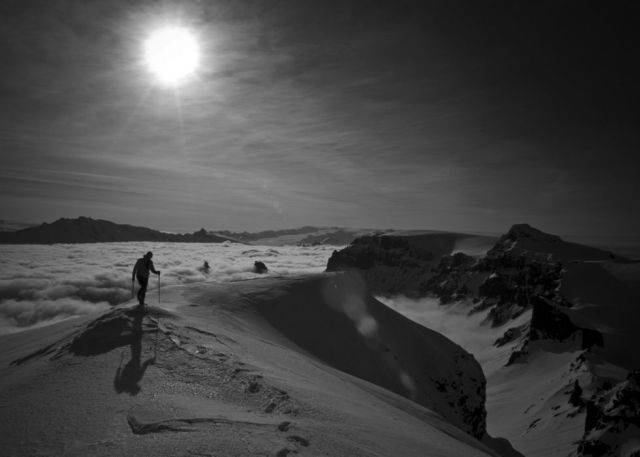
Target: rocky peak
point(520, 231)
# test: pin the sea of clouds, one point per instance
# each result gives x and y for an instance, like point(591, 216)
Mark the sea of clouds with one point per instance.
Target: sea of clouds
point(41, 284)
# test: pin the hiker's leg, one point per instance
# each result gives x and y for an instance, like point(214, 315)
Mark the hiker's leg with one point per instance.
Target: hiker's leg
point(143, 288)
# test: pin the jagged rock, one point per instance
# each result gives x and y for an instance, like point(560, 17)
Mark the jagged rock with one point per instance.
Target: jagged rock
point(481, 304)
point(389, 264)
point(520, 353)
point(522, 238)
point(510, 335)
point(549, 322)
point(367, 251)
point(259, 267)
point(512, 281)
point(519, 231)
point(501, 314)
point(575, 398)
point(613, 420)
point(447, 281)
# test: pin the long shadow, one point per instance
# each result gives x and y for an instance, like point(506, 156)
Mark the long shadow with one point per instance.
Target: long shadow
point(128, 378)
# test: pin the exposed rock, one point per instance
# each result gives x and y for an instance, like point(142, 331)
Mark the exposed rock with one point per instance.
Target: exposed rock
point(447, 281)
point(512, 281)
point(519, 353)
point(549, 322)
point(367, 251)
point(575, 398)
point(613, 420)
point(527, 270)
point(522, 238)
point(388, 264)
point(259, 267)
point(510, 335)
point(520, 231)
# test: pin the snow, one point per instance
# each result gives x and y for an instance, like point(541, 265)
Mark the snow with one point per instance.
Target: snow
point(226, 378)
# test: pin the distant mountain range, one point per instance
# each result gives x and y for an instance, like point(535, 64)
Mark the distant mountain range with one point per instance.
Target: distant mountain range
point(87, 230)
point(305, 236)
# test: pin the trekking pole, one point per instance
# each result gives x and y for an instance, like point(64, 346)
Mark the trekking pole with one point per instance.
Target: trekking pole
point(155, 346)
point(158, 288)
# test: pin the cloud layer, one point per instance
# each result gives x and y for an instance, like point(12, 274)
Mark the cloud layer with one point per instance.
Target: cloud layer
point(46, 283)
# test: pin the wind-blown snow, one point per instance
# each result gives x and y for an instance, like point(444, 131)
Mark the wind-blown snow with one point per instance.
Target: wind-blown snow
point(44, 283)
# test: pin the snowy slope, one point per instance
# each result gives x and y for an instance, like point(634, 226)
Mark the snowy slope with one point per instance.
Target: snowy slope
point(235, 369)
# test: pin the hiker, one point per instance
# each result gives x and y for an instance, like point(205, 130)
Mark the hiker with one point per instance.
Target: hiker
point(141, 270)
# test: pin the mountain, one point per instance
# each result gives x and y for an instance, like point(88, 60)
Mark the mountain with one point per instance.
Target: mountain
point(305, 236)
point(402, 262)
point(562, 372)
point(311, 365)
point(87, 230)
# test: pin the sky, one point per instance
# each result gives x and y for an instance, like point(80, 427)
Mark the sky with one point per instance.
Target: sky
point(42, 284)
point(457, 115)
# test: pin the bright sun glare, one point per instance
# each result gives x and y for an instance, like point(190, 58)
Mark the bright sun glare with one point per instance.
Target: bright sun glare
point(172, 54)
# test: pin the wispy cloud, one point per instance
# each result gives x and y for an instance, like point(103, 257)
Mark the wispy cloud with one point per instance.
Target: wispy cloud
point(353, 113)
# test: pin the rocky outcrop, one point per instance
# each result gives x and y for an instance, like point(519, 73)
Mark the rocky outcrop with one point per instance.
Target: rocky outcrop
point(544, 282)
point(403, 263)
point(522, 238)
point(549, 322)
point(389, 264)
point(613, 420)
point(519, 232)
point(507, 281)
point(448, 278)
point(511, 335)
point(259, 267)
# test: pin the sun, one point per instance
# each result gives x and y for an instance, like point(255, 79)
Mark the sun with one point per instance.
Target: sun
point(172, 54)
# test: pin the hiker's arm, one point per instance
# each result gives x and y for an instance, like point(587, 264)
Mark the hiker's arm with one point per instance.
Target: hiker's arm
point(133, 273)
point(152, 268)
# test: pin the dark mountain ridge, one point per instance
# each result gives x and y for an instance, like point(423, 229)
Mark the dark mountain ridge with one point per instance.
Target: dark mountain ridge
point(87, 230)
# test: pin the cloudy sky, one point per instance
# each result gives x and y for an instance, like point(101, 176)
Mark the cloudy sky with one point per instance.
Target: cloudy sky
point(458, 115)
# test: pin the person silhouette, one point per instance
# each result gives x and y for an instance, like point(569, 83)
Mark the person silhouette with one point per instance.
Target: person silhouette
point(141, 270)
